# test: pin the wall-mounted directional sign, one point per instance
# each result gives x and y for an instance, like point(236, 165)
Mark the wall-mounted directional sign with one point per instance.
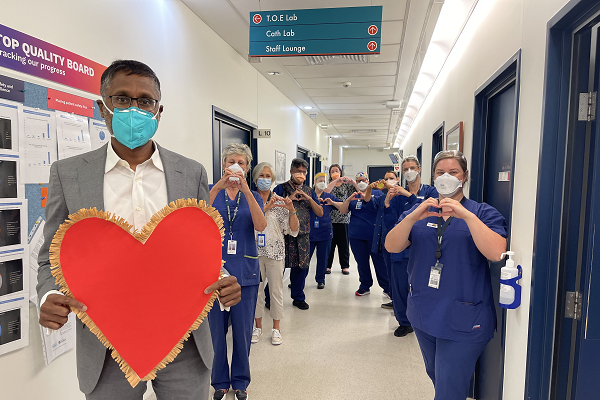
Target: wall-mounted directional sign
point(316, 32)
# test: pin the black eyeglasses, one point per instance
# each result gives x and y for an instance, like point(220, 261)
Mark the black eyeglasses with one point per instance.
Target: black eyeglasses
point(125, 102)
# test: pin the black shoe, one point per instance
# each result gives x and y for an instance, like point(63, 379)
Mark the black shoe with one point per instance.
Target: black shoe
point(328, 271)
point(345, 271)
point(220, 394)
point(320, 285)
point(301, 304)
point(388, 306)
point(268, 305)
point(241, 395)
point(289, 285)
point(402, 331)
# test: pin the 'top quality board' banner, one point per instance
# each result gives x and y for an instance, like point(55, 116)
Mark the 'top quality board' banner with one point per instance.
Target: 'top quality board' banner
point(24, 53)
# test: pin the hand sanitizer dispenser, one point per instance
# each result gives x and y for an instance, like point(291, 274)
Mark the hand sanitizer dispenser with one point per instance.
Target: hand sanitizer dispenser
point(510, 290)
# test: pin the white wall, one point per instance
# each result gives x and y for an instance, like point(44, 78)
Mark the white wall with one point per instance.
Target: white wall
point(356, 160)
point(197, 70)
point(496, 31)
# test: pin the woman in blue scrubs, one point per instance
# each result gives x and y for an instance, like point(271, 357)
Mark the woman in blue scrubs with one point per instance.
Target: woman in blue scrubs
point(321, 229)
point(397, 202)
point(242, 213)
point(360, 230)
point(450, 306)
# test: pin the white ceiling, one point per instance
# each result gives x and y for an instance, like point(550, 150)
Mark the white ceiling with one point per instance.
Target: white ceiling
point(406, 32)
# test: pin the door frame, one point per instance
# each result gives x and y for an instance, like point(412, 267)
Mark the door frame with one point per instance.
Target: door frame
point(548, 213)
point(216, 140)
point(507, 73)
point(440, 129)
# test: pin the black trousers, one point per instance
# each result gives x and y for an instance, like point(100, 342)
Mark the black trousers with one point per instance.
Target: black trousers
point(340, 239)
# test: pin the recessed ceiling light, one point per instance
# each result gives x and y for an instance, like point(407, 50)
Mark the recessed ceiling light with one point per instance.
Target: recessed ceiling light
point(308, 107)
point(274, 73)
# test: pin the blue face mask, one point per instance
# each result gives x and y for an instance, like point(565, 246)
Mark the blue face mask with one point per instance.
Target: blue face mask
point(263, 184)
point(133, 127)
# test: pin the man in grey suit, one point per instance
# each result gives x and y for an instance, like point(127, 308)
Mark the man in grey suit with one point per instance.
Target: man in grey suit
point(133, 177)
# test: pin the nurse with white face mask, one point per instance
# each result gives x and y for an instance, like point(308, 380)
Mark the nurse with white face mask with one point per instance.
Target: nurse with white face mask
point(363, 220)
point(451, 305)
point(321, 229)
point(398, 201)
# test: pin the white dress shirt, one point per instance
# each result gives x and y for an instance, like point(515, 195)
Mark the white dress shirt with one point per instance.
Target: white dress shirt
point(134, 195)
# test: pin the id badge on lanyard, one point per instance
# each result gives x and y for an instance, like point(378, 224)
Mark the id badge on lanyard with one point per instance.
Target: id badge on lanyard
point(260, 240)
point(435, 276)
point(232, 244)
point(359, 204)
point(316, 223)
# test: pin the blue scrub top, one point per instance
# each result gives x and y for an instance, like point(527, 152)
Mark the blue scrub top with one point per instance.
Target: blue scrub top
point(363, 220)
point(399, 205)
point(324, 231)
point(244, 264)
point(380, 231)
point(462, 309)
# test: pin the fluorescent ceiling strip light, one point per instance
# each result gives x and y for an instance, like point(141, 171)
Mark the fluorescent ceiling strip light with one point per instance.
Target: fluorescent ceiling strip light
point(445, 35)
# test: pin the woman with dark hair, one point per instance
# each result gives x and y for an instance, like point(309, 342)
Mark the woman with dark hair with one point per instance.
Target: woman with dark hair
point(341, 187)
point(297, 249)
point(451, 304)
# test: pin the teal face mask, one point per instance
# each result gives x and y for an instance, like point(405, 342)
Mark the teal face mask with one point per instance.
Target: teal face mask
point(133, 127)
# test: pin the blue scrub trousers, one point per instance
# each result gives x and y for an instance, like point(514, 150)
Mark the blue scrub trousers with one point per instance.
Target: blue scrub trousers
point(242, 322)
point(362, 250)
point(323, 247)
point(449, 364)
point(399, 287)
point(297, 280)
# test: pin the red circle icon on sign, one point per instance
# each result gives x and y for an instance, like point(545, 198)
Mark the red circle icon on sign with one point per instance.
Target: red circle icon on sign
point(372, 46)
point(373, 30)
point(257, 18)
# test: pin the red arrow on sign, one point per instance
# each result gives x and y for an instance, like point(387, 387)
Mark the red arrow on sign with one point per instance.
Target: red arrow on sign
point(373, 30)
point(257, 18)
point(372, 46)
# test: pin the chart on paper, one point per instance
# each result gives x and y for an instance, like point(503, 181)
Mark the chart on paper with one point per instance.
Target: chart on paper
point(37, 143)
point(72, 135)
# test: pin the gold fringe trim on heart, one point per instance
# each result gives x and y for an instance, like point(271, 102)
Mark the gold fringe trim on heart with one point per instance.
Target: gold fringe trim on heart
point(141, 236)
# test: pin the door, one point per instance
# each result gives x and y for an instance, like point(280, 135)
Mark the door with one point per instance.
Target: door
point(377, 172)
point(229, 129)
point(494, 139)
point(437, 145)
point(576, 363)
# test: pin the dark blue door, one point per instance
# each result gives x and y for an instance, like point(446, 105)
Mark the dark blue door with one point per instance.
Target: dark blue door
point(492, 177)
point(576, 372)
point(497, 192)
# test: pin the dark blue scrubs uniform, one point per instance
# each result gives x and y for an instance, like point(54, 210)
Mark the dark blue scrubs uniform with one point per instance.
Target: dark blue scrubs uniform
point(398, 262)
point(321, 234)
point(360, 231)
point(454, 323)
point(244, 266)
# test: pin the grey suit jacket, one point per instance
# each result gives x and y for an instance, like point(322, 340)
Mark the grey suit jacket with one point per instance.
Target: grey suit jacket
point(78, 182)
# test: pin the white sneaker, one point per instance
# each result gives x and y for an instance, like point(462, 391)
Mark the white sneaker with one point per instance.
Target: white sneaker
point(256, 334)
point(276, 338)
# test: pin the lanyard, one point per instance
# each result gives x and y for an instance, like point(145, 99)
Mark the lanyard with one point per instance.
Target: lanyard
point(237, 206)
point(440, 232)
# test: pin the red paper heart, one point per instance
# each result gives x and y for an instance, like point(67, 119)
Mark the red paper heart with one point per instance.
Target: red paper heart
point(144, 292)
